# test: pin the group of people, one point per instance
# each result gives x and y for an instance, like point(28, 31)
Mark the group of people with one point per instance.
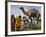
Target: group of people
point(17, 22)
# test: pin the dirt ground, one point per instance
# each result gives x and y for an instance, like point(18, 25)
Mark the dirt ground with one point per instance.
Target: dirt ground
point(32, 27)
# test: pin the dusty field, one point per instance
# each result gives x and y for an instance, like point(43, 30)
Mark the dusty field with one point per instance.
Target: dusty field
point(32, 27)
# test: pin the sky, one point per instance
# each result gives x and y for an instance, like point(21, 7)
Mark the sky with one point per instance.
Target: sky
point(16, 11)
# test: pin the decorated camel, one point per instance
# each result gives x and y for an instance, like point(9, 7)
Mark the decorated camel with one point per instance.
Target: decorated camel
point(29, 13)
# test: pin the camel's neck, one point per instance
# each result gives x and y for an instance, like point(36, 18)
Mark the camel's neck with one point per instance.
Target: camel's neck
point(23, 11)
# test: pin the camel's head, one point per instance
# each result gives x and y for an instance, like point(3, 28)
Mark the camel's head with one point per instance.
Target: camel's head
point(21, 8)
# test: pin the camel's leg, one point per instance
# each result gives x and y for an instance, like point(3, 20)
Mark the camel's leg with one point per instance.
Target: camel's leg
point(37, 19)
point(30, 19)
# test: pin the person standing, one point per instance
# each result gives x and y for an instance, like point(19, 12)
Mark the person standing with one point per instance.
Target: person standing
point(12, 23)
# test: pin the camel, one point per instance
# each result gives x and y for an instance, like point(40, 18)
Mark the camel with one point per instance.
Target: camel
point(30, 13)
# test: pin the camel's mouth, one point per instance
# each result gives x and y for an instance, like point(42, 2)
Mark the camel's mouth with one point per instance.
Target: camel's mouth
point(21, 7)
